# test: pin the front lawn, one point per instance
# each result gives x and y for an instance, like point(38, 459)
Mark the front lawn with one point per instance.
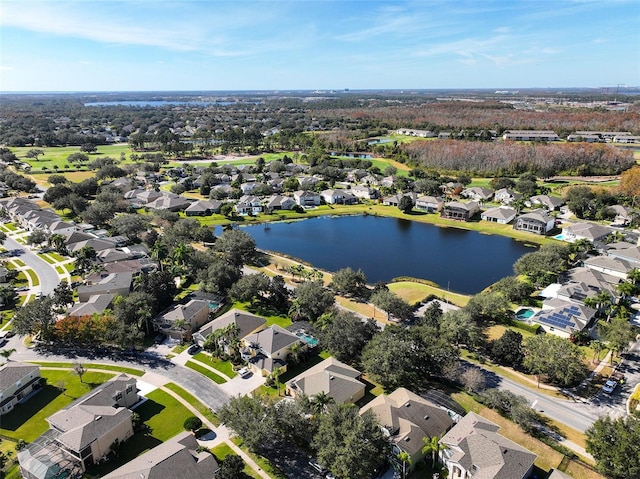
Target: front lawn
point(206, 372)
point(28, 420)
point(225, 367)
point(194, 402)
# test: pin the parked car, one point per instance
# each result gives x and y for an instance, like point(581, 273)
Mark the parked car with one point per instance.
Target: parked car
point(244, 372)
point(612, 382)
point(193, 349)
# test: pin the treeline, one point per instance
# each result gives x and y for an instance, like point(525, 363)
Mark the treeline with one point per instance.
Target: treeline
point(512, 159)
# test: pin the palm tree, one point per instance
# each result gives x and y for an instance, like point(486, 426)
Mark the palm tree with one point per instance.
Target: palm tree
point(321, 402)
point(56, 241)
point(404, 459)
point(434, 446)
point(275, 375)
point(159, 252)
point(598, 347)
point(180, 325)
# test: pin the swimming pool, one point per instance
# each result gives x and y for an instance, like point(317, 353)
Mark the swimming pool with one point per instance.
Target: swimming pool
point(307, 338)
point(524, 313)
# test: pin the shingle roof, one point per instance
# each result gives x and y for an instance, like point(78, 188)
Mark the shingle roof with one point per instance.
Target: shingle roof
point(333, 377)
point(246, 322)
point(273, 339)
point(14, 371)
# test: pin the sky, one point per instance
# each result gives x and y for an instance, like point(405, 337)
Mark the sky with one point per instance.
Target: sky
point(156, 45)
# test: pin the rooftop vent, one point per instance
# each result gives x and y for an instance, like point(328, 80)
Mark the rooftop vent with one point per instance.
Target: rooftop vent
point(426, 417)
point(98, 418)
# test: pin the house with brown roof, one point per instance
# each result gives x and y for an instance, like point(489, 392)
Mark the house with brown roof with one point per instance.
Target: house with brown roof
point(474, 449)
point(334, 378)
point(246, 324)
point(81, 434)
point(430, 204)
point(180, 320)
point(407, 419)
point(17, 381)
point(203, 208)
point(178, 457)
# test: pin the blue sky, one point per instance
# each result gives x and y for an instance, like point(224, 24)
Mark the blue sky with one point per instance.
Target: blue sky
point(95, 45)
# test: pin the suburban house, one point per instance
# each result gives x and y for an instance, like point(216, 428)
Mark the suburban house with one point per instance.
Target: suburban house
point(180, 320)
point(587, 138)
point(588, 231)
point(336, 379)
point(624, 215)
point(551, 203)
point(418, 133)
point(407, 419)
point(364, 192)
point(455, 210)
point(530, 135)
point(246, 324)
point(394, 200)
point(474, 449)
point(203, 208)
point(506, 196)
point(537, 222)
point(82, 433)
point(249, 205)
point(477, 193)
point(17, 381)
point(501, 215)
point(609, 265)
point(306, 198)
point(180, 456)
point(338, 197)
point(96, 304)
point(564, 318)
point(430, 204)
point(278, 202)
point(269, 348)
point(114, 283)
point(624, 251)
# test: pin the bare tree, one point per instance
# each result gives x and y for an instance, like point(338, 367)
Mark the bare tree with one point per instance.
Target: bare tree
point(79, 369)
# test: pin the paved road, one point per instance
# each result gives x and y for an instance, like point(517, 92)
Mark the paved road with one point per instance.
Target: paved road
point(46, 273)
point(201, 387)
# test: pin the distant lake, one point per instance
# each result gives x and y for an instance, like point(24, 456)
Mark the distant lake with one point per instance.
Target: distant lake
point(385, 248)
point(156, 103)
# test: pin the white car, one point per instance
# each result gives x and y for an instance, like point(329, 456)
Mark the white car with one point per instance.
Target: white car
point(244, 372)
point(609, 386)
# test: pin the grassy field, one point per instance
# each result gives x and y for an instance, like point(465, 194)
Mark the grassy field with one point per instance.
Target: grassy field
point(194, 402)
point(413, 293)
point(35, 281)
point(263, 462)
point(28, 421)
point(206, 372)
point(225, 367)
point(106, 367)
point(57, 156)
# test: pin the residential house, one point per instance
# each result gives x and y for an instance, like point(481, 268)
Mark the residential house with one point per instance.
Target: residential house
point(537, 222)
point(501, 215)
point(407, 419)
point(180, 456)
point(169, 202)
point(430, 204)
point(17, 381)
point(418, 133)
point(97, 304)
point(81, 434)
point(506, 196)
point(624, 251)
point(278, 202)
point(306, 198)
point(551, 203)
point(334, 378)
point(564, 318)
point(455, 210)
point(530, 135)
point(246, 324)
point(477, 193)
point(114, 283)
point(474, 449)
point(269, 348)
point(394, 200)
point(585, 231)
point(626, 139)
point(624, 214)
point(203, 208)
point(249, 205)
point(340, 197)
point(247, 188)
point(365, 192)
point(181, 320)
point(609, 265)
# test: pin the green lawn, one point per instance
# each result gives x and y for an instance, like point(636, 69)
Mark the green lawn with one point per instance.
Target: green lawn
point(56, 256)
point(106, 367)
point(199, 406)
point(35, 281)
point(225, 367)
point(28, 421)
point(206, 372)
point(223, 450)
point(19, 262)
point(270, 315)
point(414, 292)
point(60, 270)
point(45, 257)
point(57, 156)
point(10, 227)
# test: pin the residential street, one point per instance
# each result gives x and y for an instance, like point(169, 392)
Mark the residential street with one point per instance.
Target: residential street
point(46, 273)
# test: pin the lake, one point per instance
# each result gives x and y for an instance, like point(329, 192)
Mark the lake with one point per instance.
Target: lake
point(385, 248)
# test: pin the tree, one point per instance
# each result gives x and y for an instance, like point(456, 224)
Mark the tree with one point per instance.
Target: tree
point(88, 148)
point(62, 295)
point(513, 289)
point(35, 318)
point(250, 287)
point(192, 423)
point(630, 183)
point(392, 304)
point(618, 334)
point(489, 307)
point(34, 153)
point(79, 369)
point(405, 204)
point(56, 241)
point(130, 225)
point(349, 444)
point(348, 282)
point(474, 380)
point(433, 446)
point(85, 257)
point(237, 247)
point(614, 445)
point(560, 361)
point(404, 459)
point(346, 335)
point(507, 349)
point(457, 328)
point(6, 353)
point(311, 300)
point(36, 237)
point(232, 467)
point(250, 419)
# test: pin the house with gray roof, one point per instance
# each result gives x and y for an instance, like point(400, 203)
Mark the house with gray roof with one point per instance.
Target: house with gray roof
point(203, 208)
point(338, 196)
point(249, 205)
point(81, 434)
point(407, 419)
point(332, 377)
point(551, 203)
point(17, 381)
point(178, 457)
point(502, 215)
point(624, 251)
point(455, 210)
point(564, 318)
point(474, 449)
point(306, 198)
point(269, 348)
point(506, 196)
point(609, 265)
point(169, 202)
point(589, 231)
point(278, 203)
point(114, 283)
point(537, 222)
point(430, 204)
point(246, 323)
point(478, 193)
point(180, 320)
point(97, 304)
point(365, 192)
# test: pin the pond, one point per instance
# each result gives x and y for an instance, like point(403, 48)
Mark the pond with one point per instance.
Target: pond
point(385, 248)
